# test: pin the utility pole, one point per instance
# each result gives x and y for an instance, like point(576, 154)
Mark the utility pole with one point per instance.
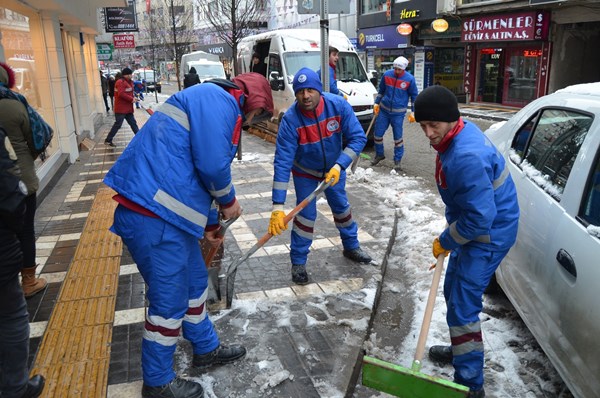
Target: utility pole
point(175, 45)
point(324, 24)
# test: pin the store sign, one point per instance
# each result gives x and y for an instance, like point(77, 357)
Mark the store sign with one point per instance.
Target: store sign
point(524, 26)
point(121, 19)
point(408, 14)
point(104, 51)
point(381, 37)
point(405, 29)
point(439, 25)
point(124, 41)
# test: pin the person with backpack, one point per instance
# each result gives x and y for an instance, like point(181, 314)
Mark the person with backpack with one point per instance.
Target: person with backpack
point(14, 318)
point(17, 119)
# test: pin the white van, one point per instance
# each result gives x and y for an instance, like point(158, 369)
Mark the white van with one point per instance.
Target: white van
point(285, 51)
point(207, 70)
point(196, 56)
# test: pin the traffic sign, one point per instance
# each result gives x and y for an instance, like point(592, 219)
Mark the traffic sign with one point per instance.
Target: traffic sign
point(104, 51)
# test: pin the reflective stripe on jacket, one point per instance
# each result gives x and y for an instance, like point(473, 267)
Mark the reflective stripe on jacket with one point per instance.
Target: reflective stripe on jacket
point(307, 147)
point(479, 193)
point(181, 159)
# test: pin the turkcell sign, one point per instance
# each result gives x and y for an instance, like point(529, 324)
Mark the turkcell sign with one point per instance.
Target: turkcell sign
point(381, 37)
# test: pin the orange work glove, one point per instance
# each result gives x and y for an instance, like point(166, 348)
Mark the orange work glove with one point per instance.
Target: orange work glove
point(376, 109)
point(438, 249)
point(411, 117)
point(333, 175)
point(276, 224)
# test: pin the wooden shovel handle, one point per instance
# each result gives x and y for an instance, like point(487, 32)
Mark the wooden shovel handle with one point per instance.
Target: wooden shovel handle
point(429, 308)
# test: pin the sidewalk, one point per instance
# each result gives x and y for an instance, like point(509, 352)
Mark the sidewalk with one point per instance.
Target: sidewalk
point(302, 341)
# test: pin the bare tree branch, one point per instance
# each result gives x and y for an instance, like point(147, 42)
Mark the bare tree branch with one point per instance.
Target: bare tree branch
point(232, 20)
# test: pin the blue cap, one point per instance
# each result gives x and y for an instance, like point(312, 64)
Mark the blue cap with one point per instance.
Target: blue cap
point(307, 78)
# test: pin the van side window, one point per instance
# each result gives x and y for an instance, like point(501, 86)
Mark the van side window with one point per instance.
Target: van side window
point(551, 147)
point(274, 65)
point(591, 205)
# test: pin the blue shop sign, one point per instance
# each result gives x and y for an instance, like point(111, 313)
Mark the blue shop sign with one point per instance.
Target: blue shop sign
point(381, 37)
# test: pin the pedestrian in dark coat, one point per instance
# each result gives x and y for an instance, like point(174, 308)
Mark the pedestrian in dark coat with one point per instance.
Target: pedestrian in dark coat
point(104, 85)
point(191, 78)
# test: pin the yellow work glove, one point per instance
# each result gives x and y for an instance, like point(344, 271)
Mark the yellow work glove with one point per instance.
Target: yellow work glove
point(411, 117)
point(333, 175)
point(345, 97)
point(439, 249)
point(276, 224)
point(376, 109)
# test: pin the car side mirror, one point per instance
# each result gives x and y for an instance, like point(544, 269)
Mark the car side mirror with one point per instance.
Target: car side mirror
point(275, 81)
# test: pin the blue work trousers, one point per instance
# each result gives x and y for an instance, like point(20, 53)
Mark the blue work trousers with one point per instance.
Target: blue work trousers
point(384, 119)
point(171, 263)
point(302, 231)
point(468, 275)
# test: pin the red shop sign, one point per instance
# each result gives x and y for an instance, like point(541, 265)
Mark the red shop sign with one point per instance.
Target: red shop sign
point(523, 26)
point(124, 41)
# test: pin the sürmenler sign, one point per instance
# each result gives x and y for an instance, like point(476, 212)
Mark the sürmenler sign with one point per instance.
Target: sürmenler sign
point(523, 26)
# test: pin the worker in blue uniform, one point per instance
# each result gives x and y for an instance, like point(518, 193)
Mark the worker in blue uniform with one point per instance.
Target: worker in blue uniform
point(482, 214)
point(310, 145)
point(396, 87)
point(334, 56)
point(167, 180)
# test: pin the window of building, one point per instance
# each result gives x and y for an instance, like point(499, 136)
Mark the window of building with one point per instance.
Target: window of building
point(372, 6)
point(16, 41)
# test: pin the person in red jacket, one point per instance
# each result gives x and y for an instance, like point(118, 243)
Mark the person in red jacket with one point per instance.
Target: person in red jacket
point(124, 100)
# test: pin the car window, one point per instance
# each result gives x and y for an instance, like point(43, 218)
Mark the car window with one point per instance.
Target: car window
point(547, 146)
point(591, 208)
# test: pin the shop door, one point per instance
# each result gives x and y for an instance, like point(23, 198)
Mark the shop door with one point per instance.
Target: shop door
point(491, 63)
point(520, 76)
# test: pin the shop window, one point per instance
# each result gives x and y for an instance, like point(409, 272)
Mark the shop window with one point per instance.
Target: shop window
point(20, 56)
point(448, 68)
point(372, 6)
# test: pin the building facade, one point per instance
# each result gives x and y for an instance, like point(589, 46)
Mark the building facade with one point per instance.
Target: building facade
point(51, 46)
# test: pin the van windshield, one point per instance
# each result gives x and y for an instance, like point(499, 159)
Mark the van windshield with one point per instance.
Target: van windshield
point(349, 68)
point(209, 70)
point(145, 75)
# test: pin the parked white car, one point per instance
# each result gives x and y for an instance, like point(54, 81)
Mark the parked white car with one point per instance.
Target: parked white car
point(552, 274)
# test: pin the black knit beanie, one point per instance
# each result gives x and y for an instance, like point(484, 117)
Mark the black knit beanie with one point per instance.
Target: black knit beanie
point(436, 104)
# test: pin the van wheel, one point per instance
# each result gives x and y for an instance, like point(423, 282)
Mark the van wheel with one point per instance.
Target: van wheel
point(493, 288)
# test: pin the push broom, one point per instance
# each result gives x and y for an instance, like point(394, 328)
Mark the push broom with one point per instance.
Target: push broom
point(412, 383)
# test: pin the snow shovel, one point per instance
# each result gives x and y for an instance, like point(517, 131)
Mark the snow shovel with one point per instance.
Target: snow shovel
point(223, 225)
point(231, 271)
point(363, 155)
point(411, 383)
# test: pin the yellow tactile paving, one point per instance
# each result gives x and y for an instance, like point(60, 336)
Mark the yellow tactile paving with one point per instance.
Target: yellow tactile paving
point(74, 354)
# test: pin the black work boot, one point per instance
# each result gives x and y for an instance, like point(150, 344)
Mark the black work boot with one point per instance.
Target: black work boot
point(476, 394)
point(177, 388)
point(397, 165)
point(377, 159)
point(222, 355)
point(358, 255)
point(442, 354)
point(299, 275)
point(35, 386)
